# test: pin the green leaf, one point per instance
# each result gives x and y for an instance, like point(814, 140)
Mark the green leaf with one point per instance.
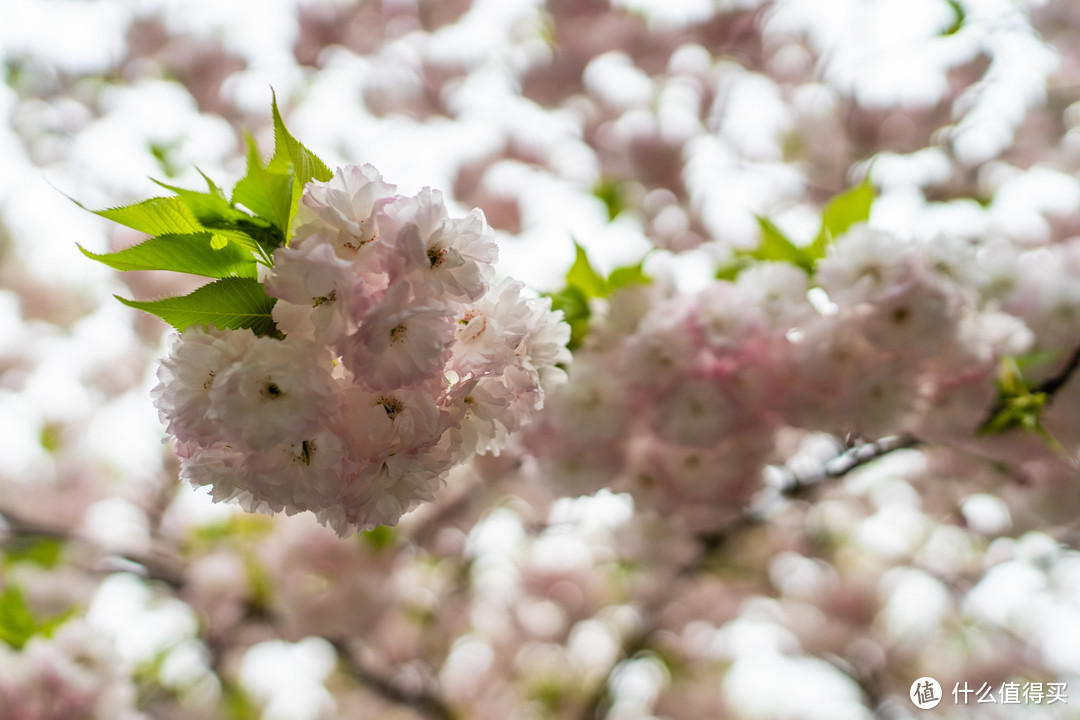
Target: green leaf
point(575, 308)
point(583, 283)
point(627, 275)
point(212, 187)
point(380, 537)
point(156, 216)
point(959, 16)
point(194, 253)
point(43, 551)
point(255, 234)
point(1016, 406)
point(261, 584)
point(306, 165)
point(611, 193)
point(266, 192)
point(48, 626)
point(843, 211)
point(1037, 363)
point(1019, 412)
point(290, 155)
point(775, 247)
point(730, 271)
point(51, 437)
point(583, 277)
point(188, 213)
point(17, 623)
point(236, 703)
point(1010, 379)
point(164, 152)
point(236, 528)
point(231, 303)
point(208, 208)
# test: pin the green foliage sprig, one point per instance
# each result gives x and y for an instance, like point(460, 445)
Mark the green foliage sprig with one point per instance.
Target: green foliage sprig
point(1020, 406)
point(840, 213)
point(223, 237)
point(584, 283)
point(18, 623)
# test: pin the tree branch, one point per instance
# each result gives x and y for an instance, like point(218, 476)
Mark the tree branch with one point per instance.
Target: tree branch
point(423, 702)
point(795, 486)
point(800, 486)
point(155, 565)
point(1051, 385)
point(160, 566)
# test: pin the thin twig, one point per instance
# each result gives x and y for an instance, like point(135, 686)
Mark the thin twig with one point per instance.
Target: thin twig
point(797, 486)
point(1051, 385)
point(600, 701)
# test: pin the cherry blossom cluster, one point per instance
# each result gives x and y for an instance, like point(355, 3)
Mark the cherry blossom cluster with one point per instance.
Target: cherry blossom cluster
point(681, 399)
point(400, 360)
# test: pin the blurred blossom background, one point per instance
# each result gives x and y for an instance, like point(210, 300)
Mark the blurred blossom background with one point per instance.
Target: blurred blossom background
point(655, 129)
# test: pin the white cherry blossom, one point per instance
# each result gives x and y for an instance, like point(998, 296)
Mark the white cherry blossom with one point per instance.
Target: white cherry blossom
point(197, 357)
point(342, 209)
point(278, 394)
point(865, 264)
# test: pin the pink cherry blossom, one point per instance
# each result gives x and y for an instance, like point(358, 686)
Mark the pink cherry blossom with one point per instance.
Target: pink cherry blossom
point(384, 423)
point(318, 292)
point(450, 256)
point(401, 341)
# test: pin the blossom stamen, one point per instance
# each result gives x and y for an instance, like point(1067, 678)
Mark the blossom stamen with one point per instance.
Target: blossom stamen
point(272, 390)
point(322, 300)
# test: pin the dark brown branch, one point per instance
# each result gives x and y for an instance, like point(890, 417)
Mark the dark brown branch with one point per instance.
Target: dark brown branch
point(424, 702)
point(154, 565)
point(799, 486)
point(163, 568)
point(1051, 385)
